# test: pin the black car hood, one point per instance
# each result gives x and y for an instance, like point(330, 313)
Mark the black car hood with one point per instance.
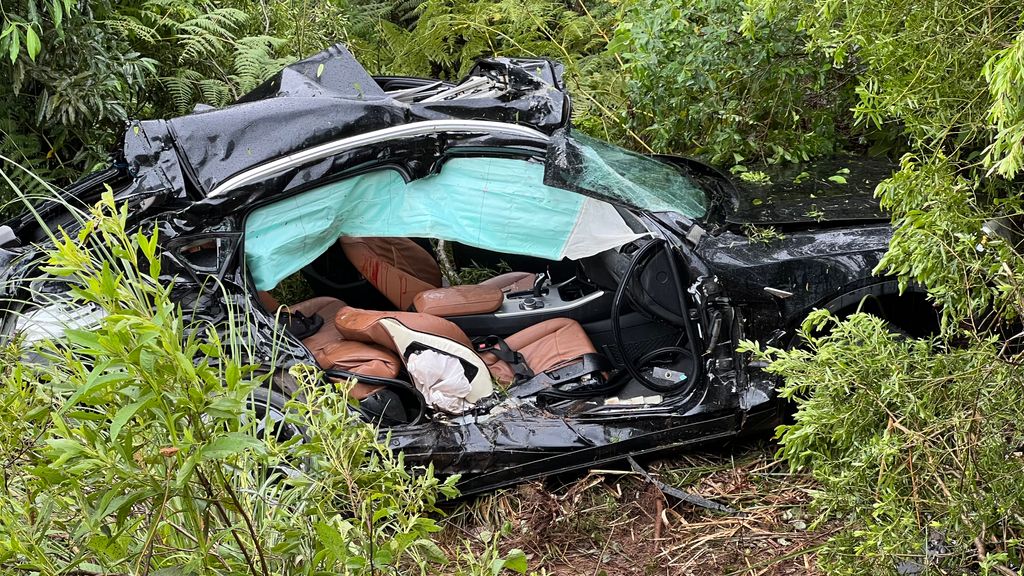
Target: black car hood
point(831, 191)
point(322, 98)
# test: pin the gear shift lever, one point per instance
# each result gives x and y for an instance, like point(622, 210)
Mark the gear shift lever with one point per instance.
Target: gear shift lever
point(538, 284)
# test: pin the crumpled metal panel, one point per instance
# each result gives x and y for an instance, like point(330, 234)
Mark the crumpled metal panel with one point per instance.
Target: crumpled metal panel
point(323, 98)
point(840, 190)
point(516, 446)
point(152, 162)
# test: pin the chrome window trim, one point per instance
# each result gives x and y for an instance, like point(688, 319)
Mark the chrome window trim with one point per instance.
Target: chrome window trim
point(279, 165)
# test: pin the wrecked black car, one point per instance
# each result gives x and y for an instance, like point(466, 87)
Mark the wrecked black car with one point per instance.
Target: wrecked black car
point(612, 288)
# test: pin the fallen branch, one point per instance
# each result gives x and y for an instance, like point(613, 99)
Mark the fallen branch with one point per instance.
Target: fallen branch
point(680, 495)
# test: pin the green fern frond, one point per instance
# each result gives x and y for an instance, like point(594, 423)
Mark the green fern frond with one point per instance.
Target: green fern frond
point(132, 29)
point(180, 91)
point(214, 92)
point(254, 60)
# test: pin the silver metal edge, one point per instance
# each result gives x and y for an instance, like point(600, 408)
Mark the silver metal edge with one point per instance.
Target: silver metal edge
point(567, 306)
point(279, 165)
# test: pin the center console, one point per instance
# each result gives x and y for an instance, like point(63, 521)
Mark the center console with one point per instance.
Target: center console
point(551, 298)
point(569, 299)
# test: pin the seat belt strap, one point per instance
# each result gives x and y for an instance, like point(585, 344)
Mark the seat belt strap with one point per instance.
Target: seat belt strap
point(497, 346)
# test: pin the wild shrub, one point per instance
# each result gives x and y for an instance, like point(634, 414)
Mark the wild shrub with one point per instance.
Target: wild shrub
point(65, 96)
point(916, 445)
point(142, 445)
point(450, 35)
point(77, 71)
point(717, 79)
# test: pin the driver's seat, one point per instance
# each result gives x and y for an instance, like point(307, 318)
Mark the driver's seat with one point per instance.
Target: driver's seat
point(401, 269)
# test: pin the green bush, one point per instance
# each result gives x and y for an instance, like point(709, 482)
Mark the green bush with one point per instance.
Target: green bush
point(715, 78)
point(91, 66)
point(135, 447)
point(912, 442)
point(450, 35)
point(917, 443)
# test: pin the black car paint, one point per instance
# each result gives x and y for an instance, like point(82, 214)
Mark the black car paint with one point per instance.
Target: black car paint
point(169, 166)
point(835, 190)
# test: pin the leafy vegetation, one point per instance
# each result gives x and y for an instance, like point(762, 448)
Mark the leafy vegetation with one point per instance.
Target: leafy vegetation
point(78, 71)
point(148, 444)
point(714, 78)
point(914, 443)
point(917, 443)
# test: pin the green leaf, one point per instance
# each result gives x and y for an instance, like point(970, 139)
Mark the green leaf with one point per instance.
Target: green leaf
point(47, 474)
point(431, 550)
point(58, 14)
point(94, 383)
point(229, 445)
point(85, 338)
point(330, 537)
point(320, 70)
point(516, 561)
point(64, 445)
point(225, 407)
point(32, 43)
point(837, 179)
point(123, 415)
point(185, 472)
point(148, 360)
point(15, 45)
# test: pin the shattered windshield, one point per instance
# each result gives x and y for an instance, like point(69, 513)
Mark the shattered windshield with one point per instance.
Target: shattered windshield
point(584, 164)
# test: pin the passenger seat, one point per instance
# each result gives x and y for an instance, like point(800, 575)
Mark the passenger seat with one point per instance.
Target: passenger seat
point(544, 346)
point(401, 270)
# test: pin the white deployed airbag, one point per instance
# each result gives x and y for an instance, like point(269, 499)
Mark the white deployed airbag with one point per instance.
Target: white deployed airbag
point(441, 379)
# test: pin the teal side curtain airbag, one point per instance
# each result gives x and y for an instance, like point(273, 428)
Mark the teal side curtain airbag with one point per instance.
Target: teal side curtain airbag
point(498, 204)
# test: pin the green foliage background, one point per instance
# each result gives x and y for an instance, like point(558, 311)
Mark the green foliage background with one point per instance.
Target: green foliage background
point(912, 441)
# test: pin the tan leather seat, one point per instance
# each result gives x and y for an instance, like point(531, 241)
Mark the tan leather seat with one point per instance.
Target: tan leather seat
point(544, 346)
point(333, 352)
point(401, 269)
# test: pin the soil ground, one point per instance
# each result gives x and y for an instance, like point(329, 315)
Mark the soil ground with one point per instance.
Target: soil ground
point(614, 522)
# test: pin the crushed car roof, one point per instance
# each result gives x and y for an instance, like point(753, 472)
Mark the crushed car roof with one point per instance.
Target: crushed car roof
point(323, 98)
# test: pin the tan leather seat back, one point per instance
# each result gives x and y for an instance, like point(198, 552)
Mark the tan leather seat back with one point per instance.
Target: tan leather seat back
point(398, 268)
point(544, 346)
point(334, 353)
point(399, 331)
